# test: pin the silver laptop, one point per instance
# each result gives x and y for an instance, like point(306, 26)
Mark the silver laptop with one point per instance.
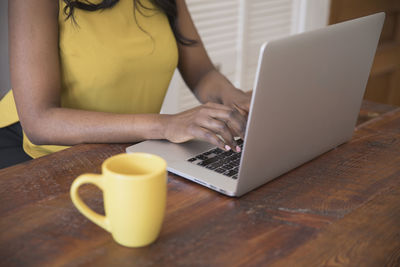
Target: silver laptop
point(307, 95)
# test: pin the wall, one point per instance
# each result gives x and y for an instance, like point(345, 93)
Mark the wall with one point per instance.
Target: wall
point(384, 80)
point(4, 66)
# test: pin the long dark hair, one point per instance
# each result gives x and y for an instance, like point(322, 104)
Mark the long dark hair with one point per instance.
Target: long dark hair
point(167, 6)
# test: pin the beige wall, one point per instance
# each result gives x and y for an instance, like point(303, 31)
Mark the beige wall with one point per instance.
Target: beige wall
point(4, 69)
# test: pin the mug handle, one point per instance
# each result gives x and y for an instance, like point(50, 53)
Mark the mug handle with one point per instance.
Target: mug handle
point(97, 180)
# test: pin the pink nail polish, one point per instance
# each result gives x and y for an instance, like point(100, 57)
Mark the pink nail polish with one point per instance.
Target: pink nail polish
point(238, 149)
point(227, 147)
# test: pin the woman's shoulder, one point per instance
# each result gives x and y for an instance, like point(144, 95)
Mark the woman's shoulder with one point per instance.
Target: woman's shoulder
point(33, 10)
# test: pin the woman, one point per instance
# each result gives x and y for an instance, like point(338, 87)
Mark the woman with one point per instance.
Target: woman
point(97, 72)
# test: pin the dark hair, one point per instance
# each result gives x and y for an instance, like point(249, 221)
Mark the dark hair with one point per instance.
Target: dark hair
point(167, 6)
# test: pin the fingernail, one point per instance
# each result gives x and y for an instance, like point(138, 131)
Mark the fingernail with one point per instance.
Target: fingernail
point(238, 149)
point(227, 148)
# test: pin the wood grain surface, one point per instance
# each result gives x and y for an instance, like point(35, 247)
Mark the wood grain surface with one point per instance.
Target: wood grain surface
point(341, 209)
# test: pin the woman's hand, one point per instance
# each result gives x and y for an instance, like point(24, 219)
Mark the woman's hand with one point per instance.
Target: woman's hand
point(205, 123)
point(237, 99)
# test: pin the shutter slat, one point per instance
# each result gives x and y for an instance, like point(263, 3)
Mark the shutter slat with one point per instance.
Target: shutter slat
point(218, 23)
point(267, 20)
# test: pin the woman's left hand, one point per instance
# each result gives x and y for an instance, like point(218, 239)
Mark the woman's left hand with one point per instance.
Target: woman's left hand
point(236, 98)
point(216, 88)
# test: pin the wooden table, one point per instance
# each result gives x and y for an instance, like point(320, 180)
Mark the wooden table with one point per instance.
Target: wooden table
point(342, 208)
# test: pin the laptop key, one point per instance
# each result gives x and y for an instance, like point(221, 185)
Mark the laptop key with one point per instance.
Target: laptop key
point(219, 170)
point(215, 165)
point(192, 159)
point(225, 168)
point(236, 156)
point(228, 153)
point(211, 167)
point(210, 160)
point(230, 173)
point(202, 157)
point(216, 151)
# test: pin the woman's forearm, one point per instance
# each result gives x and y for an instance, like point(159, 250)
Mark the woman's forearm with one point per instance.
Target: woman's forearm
point(62, 126)
point(212, 87)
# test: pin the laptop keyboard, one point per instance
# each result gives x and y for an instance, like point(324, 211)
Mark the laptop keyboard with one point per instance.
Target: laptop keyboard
point(216, 159)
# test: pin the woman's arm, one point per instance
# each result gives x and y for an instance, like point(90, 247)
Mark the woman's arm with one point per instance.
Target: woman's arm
point(208, 84)
point(35, 76)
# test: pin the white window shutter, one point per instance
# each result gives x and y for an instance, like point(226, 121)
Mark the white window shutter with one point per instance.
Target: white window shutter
point(233, 32)
point(265, 20)
point(217, 24)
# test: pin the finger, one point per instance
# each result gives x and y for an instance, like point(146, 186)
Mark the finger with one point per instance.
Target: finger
point(219, 127)
point(204, 134)
point(231, 116)
point(244, 110)
point(216, 106)
point(234, 119)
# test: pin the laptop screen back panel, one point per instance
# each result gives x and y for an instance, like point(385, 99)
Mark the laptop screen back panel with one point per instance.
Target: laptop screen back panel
point(308, 93)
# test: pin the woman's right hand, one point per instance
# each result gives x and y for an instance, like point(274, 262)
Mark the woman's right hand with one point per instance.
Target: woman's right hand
point(205, 122)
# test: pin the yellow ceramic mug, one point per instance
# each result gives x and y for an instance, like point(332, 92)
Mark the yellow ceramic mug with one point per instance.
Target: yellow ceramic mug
point(134, 189)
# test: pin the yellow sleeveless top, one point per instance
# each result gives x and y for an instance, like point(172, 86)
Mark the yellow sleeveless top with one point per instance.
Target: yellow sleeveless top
point(110, 62)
